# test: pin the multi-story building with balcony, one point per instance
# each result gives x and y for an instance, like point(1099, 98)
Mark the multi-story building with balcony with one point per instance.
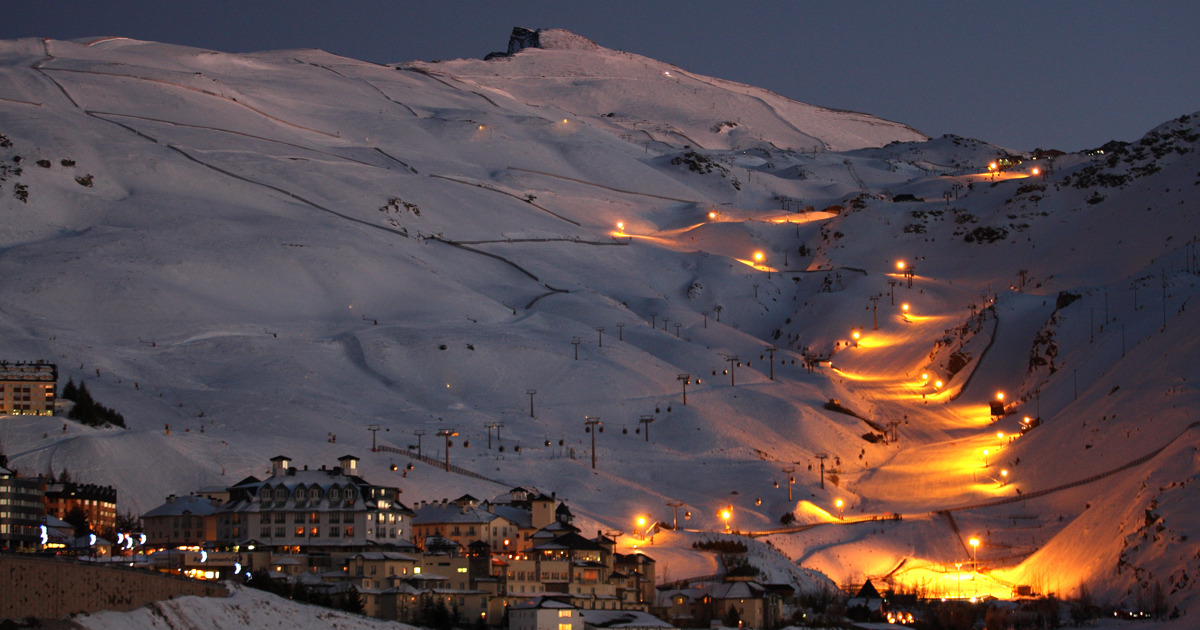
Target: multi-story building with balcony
point(331, 509)
point(28, 388)
point(21, 510)
point(98, 503)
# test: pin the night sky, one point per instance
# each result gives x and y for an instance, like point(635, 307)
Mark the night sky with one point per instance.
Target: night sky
point(1066, 75)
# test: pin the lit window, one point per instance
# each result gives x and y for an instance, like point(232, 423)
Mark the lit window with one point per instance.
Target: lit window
point(564, 613)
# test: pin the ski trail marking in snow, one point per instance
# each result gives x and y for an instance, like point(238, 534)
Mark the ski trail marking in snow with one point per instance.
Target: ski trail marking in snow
point(580, 181)
point(505, 192)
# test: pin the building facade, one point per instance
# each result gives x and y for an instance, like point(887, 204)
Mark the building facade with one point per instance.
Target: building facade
point(98, 503)
point(181, 522)
point(21, 510)
point(329, 508)
point(28, 388)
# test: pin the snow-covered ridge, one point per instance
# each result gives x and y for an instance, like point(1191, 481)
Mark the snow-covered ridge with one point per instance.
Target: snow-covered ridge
point(270, 252)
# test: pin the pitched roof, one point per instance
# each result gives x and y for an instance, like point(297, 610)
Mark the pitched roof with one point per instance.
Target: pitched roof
point(197, 506)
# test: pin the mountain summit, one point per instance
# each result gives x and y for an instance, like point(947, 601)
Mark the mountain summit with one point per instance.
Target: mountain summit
point(597, 274)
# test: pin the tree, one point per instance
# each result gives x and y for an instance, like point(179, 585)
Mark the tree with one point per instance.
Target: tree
point(79, 520)
point(732, 619)
point(351, 602)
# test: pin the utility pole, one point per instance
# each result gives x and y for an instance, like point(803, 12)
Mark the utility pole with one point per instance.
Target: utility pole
point(705, 314)
point(875, 310)
point(646, 420)
point(373, 428)
point(600, 340)
point(755, 285)
point(732, 359)
point(822, 457)
point(620, 331)
point(575, 341)
point(531, 392)
point(654, 319)
point(771, 351)
point(892, 290)
point(685, 379)
point(677, 325)
point(592, 425)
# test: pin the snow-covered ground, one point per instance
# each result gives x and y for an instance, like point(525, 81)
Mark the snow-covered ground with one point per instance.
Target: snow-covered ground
point(269, 252)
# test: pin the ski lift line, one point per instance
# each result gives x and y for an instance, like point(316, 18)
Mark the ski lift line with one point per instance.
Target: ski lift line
point(504, 192)
point(190, 89)
point(440, 465)
point(587, 183)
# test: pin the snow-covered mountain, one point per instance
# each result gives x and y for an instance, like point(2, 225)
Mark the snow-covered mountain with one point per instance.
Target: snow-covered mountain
point(266, 253)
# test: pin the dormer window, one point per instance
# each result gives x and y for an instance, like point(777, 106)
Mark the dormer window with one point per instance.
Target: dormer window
point(334, 494)
point(300, 494)
point(315, 494)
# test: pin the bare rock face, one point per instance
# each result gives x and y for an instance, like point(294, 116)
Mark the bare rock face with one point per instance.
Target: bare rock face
point(553, 38)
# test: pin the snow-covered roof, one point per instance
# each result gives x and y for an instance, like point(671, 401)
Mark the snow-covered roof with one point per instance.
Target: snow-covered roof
point(178, 506)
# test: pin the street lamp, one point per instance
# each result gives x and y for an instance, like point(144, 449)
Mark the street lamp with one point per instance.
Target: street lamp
point(641, 527)
point(839, 504)
point(727, 514)
point(985, 454)
point(975, 555)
